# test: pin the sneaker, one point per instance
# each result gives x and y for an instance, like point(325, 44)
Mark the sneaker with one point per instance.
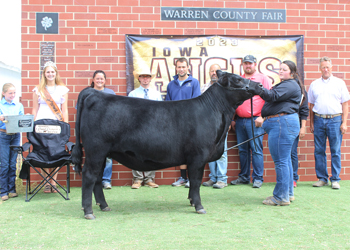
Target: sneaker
point(107, 185)
point(187, 185)
point(13, 195)
point(209, 183)
point(335, 185)
point(151, 184)
point(294, 184)
point(239, 181)
point(291, 198)
point(4, 198)
point(180, 182)
point(271, 201)
point(257, 184)
point(47, 189)
point(320, 184)
point(136, 184)
point(220, 184)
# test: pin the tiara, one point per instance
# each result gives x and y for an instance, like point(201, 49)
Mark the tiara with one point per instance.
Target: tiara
point(50, 64)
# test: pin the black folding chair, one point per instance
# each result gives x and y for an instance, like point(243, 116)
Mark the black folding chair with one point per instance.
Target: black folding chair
point(49, 140)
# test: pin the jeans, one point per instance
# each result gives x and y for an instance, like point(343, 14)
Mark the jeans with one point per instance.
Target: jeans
point(107, 173)
point(282, 131)
point(218, 168)
point(330, 128)
point(244, 132)
point(8, 163)
point(295, 161)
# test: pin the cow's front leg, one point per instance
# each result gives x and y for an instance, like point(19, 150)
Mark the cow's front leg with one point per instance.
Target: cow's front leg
point(88, 183)
point(195, 176)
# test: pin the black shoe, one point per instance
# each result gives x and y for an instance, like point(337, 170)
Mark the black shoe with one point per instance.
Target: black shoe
point(239, 181)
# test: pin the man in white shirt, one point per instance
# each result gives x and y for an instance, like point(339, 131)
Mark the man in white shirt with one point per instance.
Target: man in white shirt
point(328, 98)
point(146, 92)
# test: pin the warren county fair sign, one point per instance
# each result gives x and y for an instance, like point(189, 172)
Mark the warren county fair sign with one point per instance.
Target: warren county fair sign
point(223, 15)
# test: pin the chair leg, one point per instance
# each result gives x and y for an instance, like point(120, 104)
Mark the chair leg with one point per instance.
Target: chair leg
point(27, 187)
point(47, 181)
point(68, 178)
point(39, 186)
point(52, 173)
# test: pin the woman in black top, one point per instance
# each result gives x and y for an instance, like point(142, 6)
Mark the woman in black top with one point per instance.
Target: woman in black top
point(281, 122)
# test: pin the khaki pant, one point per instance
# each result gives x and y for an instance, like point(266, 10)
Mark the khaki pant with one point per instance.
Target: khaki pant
point(149, 175)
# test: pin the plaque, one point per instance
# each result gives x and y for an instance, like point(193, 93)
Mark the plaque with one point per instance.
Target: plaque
point(151, 32)
point(313, 61)
point(223, 14)
point(44, 59)
point(47, 48)
point(339, 75)
point(47, 23)
point(85, 46)
point(84, 74)
point(108, 60)
point(114, 88)
point(194, 31)
point(107, 31)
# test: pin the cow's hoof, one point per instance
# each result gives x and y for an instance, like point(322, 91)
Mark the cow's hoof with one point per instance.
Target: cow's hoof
point(106, 209)
point(201, 211)
point(89, 216)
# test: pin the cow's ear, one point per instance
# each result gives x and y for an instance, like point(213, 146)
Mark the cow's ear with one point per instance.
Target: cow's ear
point(219, 73)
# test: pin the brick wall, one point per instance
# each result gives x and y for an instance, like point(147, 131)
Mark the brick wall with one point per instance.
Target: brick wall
point(92, 35)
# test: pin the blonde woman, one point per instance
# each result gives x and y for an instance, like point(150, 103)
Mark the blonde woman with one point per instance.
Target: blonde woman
point(51, 88)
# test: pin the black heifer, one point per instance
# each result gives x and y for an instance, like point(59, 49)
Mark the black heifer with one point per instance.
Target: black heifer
point(150, 135)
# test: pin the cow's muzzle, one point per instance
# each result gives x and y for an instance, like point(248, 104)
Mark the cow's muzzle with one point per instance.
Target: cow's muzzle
point(254, 88)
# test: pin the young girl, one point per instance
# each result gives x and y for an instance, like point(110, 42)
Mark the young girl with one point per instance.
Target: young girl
point(8, 156)
point(50, 85)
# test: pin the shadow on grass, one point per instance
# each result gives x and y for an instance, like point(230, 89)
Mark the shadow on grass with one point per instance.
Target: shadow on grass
point(162, 218)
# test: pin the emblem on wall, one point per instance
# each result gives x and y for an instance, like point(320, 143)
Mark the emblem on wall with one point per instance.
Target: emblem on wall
point(47, 23)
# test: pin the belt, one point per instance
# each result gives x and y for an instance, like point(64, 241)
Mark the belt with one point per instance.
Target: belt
point(327, 116)
point(246, 117)
point(272, 116)
point(3, 130)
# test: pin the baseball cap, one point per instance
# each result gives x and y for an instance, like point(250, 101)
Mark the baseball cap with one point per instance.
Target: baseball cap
point(249, 58)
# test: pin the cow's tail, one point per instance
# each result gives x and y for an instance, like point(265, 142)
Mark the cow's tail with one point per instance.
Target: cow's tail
point(77, 152)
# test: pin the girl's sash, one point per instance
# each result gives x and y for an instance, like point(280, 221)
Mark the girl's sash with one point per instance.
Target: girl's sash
point(53, 106)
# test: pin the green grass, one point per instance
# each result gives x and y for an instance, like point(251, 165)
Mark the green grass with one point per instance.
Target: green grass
point(162, 219)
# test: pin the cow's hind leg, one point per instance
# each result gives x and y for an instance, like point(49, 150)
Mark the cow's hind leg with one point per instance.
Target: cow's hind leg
point(98, 192)
point(195, 173)
point(88, 183)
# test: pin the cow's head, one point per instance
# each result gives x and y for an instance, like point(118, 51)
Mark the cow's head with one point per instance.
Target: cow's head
point(235, 82)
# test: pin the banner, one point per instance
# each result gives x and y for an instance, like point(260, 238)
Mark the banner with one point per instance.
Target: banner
point(159, 54)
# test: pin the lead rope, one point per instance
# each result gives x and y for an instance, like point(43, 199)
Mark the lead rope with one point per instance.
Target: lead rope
point(252, 119)
point(245, 141)
point(254, 137)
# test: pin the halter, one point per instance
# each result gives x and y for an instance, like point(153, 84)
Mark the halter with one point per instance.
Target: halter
point(251, 110)
point(231, 88)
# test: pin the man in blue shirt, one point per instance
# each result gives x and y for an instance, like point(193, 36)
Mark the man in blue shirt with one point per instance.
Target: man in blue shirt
point(146, 92)
point(183, 87)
